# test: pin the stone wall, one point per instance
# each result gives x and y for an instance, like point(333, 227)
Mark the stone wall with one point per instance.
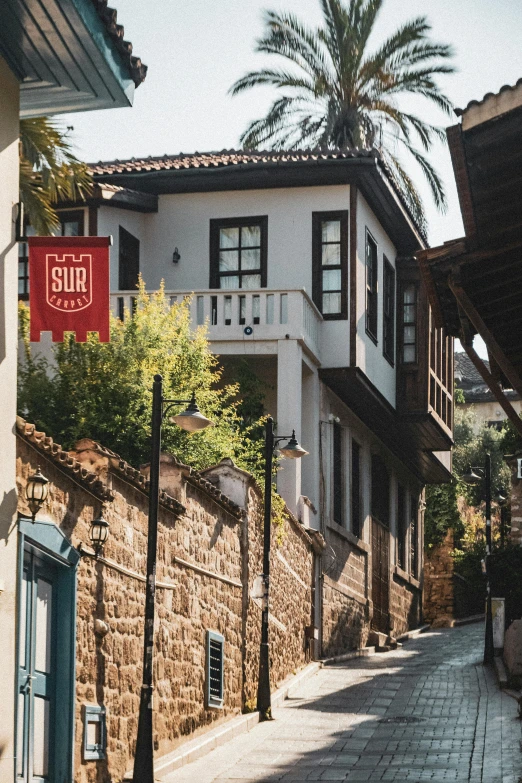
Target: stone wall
point(209, 552)
point(405, 602)
point(346, 606)
point(439, 581)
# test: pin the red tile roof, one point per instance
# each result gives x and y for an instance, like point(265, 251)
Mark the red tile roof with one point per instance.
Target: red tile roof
point(487, 96)
point(224, 158)
point(116, 31)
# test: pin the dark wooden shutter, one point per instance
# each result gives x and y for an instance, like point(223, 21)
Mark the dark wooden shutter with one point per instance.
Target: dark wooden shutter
point(337, 474)
point(128, 261)
point(356, 489)
point(215, 669)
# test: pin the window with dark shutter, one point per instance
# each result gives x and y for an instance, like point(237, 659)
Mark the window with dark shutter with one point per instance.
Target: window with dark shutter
point(215, 667)
point(330, 263)
point(128, 261)
point(409, 323)
point(356, 490)
point(380, 490)
point(401, 527)
point(414, 533)
point(371, 286)
point(388, 323)
point(238, 252)
point(338, 474)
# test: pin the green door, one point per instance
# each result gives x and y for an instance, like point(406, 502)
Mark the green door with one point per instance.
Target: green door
point(44, 717)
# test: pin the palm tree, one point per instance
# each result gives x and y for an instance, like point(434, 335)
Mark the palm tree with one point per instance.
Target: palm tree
point(342, 96)
point(49, 172)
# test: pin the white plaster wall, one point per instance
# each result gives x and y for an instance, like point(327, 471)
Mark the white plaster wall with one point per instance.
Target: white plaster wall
point(109, 221)
point(369, 356)
point(9, 100)
point(484, 412)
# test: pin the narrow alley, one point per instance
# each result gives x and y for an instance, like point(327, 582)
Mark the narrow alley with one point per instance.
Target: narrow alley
point(427, 711)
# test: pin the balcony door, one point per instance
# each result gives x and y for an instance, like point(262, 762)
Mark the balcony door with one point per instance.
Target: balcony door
point(45, 668)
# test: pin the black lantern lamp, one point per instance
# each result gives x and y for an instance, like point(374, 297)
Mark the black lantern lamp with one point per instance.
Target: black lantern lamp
point(473, 476)
point(98, 534)
point(191, 419)
point(293, 449)
point(36, 491)
point(176, 256)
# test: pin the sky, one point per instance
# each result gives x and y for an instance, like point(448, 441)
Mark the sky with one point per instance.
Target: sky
point(196, 49)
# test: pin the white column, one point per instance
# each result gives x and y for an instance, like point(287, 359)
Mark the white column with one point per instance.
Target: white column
point(289, 406)
point(311, 414)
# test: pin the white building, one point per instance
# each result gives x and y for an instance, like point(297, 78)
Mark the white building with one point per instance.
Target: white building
point(302, 264)
point(55, 56)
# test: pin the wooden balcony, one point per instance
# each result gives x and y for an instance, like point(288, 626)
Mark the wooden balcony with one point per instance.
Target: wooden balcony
point(244, 316)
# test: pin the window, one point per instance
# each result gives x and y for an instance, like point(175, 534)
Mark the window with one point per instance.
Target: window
point(380, 490)
point(388, 322)
point(330, 263)
point(401, 527)
point(238, 252)
point(128, 261)
point(356, 490)
point(215, 666)
point(71, 223)
point(338, 473)
point(371, 287)
point(409, 323)
point(414, 534)
point(94, 732)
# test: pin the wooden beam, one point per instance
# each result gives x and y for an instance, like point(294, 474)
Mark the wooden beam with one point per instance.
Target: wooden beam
point(495, 389)
point(493, 347)
point(353, 276)
point(431, 290)
point(460, 168)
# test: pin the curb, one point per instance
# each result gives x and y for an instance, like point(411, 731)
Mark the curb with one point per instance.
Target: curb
point(413, 634)
point(364, 652)
point(200, 746)
point(475, 618)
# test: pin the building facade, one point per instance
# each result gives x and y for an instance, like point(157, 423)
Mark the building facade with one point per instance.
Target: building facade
point(301, 264)
point(479, 398)
point(54, 57)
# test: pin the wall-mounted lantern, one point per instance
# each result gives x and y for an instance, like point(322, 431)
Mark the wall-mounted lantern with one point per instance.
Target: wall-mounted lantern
point(176, 256)
point(36, 491)
point(98, 534)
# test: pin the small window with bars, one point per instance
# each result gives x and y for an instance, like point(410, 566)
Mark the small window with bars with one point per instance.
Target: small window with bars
point(215, 669)
point(94, 732)
point(371, 286)
point(409, 323)
point(401, 527)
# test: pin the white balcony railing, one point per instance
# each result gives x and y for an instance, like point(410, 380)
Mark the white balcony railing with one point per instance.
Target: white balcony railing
point(244, 314)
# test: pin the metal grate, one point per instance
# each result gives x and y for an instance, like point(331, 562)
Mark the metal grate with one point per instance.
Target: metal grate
point(215, 667)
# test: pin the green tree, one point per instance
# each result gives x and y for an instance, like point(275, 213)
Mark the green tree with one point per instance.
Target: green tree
point(49, 172)
point(103, 390)
point(338, 94)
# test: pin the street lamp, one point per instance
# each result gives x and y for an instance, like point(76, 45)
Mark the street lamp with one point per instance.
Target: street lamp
point(475, 476)
point(292, 450)
point(98, 534)
point(191, 420)
point(36, 491)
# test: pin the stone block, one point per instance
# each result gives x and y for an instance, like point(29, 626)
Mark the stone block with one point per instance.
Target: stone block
point(513, 651)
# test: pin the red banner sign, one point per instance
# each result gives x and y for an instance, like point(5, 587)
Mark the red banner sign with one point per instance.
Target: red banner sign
point(69, 279)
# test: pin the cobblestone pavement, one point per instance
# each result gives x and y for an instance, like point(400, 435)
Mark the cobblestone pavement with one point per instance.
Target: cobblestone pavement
point(428, 711)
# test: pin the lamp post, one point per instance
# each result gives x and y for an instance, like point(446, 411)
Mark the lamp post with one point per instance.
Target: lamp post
point(191, 420)
point(292, 450)
point(476, 476)
point(502, 502)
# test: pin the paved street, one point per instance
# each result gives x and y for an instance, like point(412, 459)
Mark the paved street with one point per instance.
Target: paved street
point(428, 711)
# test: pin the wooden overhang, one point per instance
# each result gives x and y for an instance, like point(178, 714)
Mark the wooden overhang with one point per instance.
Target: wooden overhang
point(475, 282)
point(68, 55)
point(410, 441)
